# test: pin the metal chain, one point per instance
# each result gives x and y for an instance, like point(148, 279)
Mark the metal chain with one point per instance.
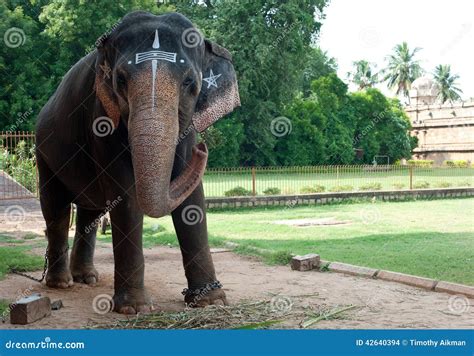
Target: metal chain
point(45, 268)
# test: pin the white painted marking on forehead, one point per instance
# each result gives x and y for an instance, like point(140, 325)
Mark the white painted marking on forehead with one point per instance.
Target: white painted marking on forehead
point(156, 42)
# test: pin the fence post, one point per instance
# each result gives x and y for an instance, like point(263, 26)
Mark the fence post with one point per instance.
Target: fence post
point(411, 177)
point(254, 190)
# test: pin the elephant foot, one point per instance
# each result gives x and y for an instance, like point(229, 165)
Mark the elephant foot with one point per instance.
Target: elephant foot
point(60, 280)
point(214, 297)
point(85, 274)
point(132, 302)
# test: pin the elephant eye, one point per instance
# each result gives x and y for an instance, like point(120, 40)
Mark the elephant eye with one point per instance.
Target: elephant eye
point(121, 80)
point(188, 81)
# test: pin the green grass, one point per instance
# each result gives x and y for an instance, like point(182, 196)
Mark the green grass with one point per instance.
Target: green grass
point(352, 178)
point(4, 306)
point(16, 257)
point(431, 238)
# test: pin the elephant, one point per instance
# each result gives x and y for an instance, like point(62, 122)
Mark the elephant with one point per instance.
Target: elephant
point(120, 135)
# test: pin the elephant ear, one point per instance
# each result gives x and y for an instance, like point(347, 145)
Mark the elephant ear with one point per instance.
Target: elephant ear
point(104, 85)
point(219, 94)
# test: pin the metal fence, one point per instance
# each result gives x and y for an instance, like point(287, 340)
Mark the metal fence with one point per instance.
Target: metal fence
point(18, 175)
point(317, 179)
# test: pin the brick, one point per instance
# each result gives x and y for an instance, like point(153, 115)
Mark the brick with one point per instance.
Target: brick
point(305, 262)
point(353, 270)
point(415, 281)
point(30, 309)
point(454, 288)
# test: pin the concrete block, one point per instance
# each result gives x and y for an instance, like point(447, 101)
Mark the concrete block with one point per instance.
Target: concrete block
point(30, 309)
point(353, 270)
point(415, 281)
point(454, 288)
point(305, 262)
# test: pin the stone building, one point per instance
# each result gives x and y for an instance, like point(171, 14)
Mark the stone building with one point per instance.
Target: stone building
point(444, 131)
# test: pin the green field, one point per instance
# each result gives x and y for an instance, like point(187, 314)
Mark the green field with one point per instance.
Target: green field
point(428, 238)
point(333, 178)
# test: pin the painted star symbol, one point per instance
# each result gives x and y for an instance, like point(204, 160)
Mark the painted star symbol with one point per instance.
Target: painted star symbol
point(106, 69)
point(212, 79)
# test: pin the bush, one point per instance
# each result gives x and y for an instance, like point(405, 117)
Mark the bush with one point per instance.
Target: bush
point(288, 191)
point(21, 165)
point(443, 185)
point(238, 192)
point(420, 162)
point(312, 189)
point(422, 184)
point(272, 191)
point(399, 186)
point(371, 186)
point(460, 163)
point(465, 183)
point(342, 188)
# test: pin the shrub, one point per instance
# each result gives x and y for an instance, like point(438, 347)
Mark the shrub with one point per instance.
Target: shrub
point(272, 191)
point(21, 165)
point(342, 188)
point(371, 186)
point(464, 183)
point(443, 185)
point(399, 186)
point(312, 189)
point(288, 191)
point(238, 192)
point(420, 162)
point(422, 184)
point(460, 163)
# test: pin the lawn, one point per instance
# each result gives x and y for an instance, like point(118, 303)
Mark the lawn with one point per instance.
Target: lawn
point(16, 257)
point(431, 238)
point(334, 178)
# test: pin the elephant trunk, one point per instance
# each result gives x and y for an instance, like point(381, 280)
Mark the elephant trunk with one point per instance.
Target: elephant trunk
point(153, 135)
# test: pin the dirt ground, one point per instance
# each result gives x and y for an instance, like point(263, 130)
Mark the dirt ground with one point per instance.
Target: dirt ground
point(379, 304)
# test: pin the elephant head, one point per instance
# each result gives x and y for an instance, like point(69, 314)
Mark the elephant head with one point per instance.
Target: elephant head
point(157, 76)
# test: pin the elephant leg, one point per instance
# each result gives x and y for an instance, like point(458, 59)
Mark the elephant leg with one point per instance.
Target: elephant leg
point(82, 254)
point(190, 224)
point(127, 225)
point(56, 208)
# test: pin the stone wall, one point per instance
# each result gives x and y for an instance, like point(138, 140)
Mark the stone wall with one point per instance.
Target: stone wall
point(445, 132)
point(288, 201)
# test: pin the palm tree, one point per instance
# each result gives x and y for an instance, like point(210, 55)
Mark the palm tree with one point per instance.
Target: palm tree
point(402, 69)
point(363, 75)
point(446, 81)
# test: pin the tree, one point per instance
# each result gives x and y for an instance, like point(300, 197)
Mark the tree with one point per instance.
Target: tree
point(363, 75)
point(318, 65)
point(447, 83)
point(402, 69)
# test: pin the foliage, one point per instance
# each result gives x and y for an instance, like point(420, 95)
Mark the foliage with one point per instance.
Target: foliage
point(237, 192)
point(312, 189)
point(341, 188)
point(461, 163)
point(447, 83)
point(364, 76)
point(420, 162)
point(443, 185)
point(422, 184)
point(399, 185)
point(402, 69)
point(371, 186)
point(21, 165)
point(272, 191)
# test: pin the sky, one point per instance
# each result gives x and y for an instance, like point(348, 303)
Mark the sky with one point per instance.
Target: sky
point(369, 29)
